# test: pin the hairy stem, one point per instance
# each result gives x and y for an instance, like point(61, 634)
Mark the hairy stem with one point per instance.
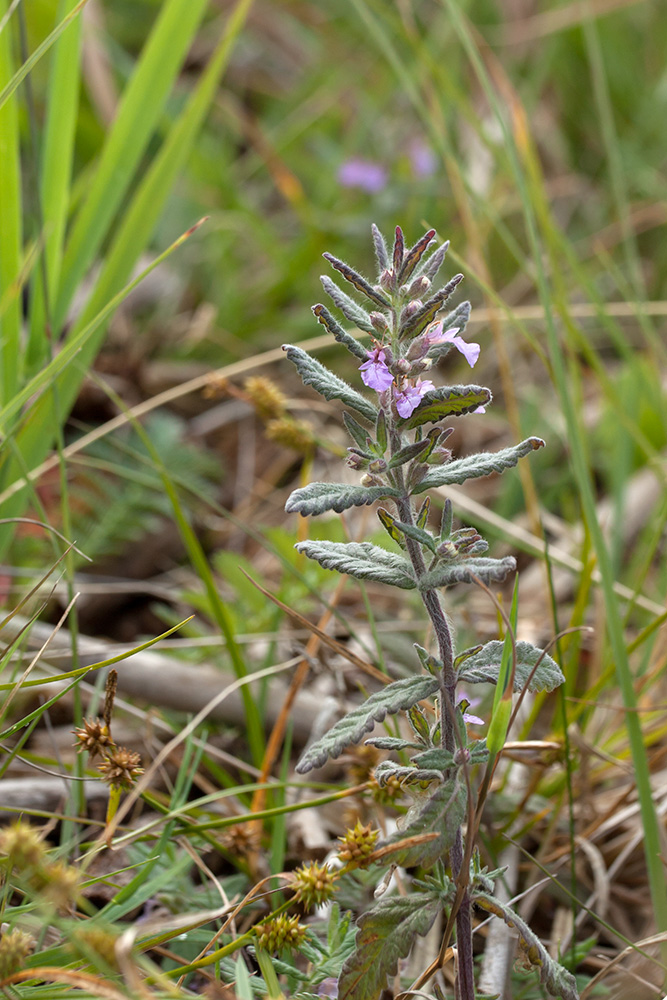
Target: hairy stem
point(431, 599)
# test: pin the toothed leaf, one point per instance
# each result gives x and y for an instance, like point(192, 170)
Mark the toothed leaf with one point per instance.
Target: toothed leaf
point(488, 570)
point(475, 466)
point(386, 934)
point(316, 498)
point(361, 560)
point(341, 335)
point(395, 697)
point(327, 384)
point(442, 813)
point(483, 666)
point(448, 401)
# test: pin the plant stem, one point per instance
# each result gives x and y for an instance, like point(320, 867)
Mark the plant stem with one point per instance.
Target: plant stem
point(431, 599)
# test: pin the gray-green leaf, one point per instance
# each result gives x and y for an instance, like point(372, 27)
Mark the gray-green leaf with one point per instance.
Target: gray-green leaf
point(339, 333)
point(361, 560)
point(319, 497)
point(556, 980)
point(448, 401)
point(442, 813)
point(484, 666)
point(327, 384)
point(475, 466)
point(350, 309)
point(386, 933)
point(488, 570)
point(395, 697)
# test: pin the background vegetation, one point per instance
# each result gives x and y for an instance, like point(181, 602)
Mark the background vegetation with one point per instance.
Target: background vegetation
point(530, 136)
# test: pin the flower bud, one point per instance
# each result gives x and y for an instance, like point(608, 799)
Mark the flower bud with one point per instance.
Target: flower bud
point(402, 366)
point(379, 322)
point(419, 287)
point(378, 465)
point(439, 456)
point(355, 460)
point(412, 307)
point(447, 549)
point(387, 280)
point(421, 366)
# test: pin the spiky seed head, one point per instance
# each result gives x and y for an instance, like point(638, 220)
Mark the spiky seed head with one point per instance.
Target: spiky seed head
point(22, 844)
point(385, 794)
point(58, 884)
point(242, 839)
point(90, 941)
point(93, 736)
point(358, 843)
point(121, 767)
point(283, 933)
point(266, 397)
point(313, 884)
point(15, 947)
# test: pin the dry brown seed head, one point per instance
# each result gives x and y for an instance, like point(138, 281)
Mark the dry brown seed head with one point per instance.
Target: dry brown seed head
point(121, 767)
point(93, 736)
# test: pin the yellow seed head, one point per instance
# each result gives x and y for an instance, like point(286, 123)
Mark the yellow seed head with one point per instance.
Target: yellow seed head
point(358, 843)
point(15, 946)
point(266, 397)
point(313, 884)
point(283, 933)
point(290, 433)
point(21, 842)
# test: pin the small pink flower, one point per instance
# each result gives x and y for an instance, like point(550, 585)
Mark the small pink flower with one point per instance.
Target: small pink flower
point(410, 396)
point(364, 174)
point(374, 372)
point(436, 335)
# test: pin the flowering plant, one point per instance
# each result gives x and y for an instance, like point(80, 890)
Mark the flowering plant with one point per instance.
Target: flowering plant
point(400, 461)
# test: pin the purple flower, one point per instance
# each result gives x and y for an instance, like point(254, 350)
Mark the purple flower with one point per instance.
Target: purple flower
point(422, 158)
point(374, 372)
point(364, 174)
point(466, 703)
point(436, 336)
point(408, 399)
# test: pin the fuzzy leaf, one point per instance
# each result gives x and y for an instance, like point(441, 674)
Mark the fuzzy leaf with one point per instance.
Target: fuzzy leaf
point(422, 514)
point(432, 264)
point(355, 430)
point(410, 451)
point(388, 522)
point(391, 743)
point(381, 252)
point(448, 401)
point(416, 322)
point(412, 257)
point(556, 980)
point(341, 335)
point(386, 934)
point(327, 384)
point(350, 309)
point(398, 251)
point(475, 466)
point(395, 697)
point(358, 281)
point(418, 535)
point(361, 560)
point(488, 570)
point(484, 665)
point(318, 497)
point(442, 813)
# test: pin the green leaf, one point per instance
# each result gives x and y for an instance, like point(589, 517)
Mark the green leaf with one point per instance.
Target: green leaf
point(395, 697)
point(412, 450)
point(488, 570)
point(350, 309)
point(417, 322)
point(386, 934)
point(475, 466)
point(358, 281)
point(448, 401)
point(318, 497)
point(388, 522)
point(422, 514)
point(391, 743)
point(442, 812)
point(484, 665)
point(556, 980)
point(327, 384)
point(417, 534)
point(355, 430)
point(381, 432)
point(413, 256)
point(362, 561)
point(336, 330)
